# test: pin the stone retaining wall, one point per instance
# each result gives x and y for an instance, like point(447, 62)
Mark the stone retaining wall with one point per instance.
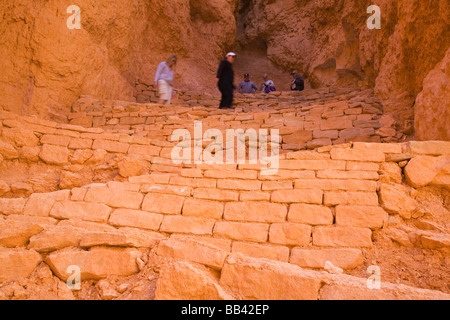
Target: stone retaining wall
point(323, 206)
point(301, 125)
point(320, 211)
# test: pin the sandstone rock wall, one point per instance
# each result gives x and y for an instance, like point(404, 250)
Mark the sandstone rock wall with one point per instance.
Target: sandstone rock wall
point(45, 66)
point(432, 116)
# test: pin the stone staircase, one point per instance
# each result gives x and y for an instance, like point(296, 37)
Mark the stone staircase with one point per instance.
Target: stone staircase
point(306, 120)
point(322, 208)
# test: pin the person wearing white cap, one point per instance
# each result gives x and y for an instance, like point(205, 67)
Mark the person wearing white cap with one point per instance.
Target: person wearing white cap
point(225, 80)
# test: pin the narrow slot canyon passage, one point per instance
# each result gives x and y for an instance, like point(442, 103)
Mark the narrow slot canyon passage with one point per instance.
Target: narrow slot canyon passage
point(252, 49)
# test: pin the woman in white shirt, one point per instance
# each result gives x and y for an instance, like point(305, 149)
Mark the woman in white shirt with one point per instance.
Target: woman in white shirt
point(164, 79)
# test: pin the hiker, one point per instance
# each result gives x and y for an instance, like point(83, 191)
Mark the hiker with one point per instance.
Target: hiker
point(297, 83)
point(268, 85)
point(247, 86)
point(164, 79)
point(225, 80)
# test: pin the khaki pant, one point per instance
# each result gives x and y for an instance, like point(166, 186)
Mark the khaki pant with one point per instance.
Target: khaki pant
point(165, 91)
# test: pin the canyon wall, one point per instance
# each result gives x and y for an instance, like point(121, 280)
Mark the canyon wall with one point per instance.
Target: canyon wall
point(46, 66)
point(432, 116)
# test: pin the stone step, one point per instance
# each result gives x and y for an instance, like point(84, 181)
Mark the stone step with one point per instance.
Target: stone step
point(327, 213)
point(345, 117)
point(69, 147)
point(317, 208)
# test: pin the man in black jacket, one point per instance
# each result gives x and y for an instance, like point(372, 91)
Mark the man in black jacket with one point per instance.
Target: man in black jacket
point(297, 84)
point(225, 80)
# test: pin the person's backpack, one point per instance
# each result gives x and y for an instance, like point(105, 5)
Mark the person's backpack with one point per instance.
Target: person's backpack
point(299, 84)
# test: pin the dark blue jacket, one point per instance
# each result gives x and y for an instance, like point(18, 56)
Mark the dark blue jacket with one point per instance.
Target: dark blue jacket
point(225, 73)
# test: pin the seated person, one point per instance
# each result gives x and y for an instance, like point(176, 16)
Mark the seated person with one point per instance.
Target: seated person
point(247, 86)
point(268, 85)
point(297, 84)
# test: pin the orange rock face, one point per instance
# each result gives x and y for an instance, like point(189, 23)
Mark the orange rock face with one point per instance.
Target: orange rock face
point(329, 42)
point(47, 65)
point(432, 109)
point(91, 195)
